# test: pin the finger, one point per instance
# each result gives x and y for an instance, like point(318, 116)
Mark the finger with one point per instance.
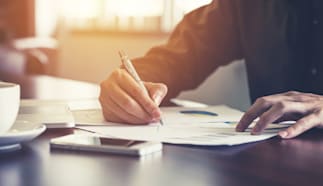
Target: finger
point(267, 117)
point(289, 117)
point(108, 115)
point(117, 114)
point(157, 91)
point(277, 111)
point(111, 117)
point(300, 126)
point(259, 107)
point(126, 104)
point(108, 89)
point(129, 85)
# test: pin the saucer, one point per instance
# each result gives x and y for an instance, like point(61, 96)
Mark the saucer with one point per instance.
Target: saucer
point(21, 131)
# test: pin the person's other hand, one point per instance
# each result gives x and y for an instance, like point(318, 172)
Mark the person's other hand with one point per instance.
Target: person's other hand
point(304, 108)
point(123, 100)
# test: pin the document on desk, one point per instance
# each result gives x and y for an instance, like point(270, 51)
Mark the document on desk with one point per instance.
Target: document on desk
point(214, 125)
point(85, 115)
point(52, 113)
point(181, 135)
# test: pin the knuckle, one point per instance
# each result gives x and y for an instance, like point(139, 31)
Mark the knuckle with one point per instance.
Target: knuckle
point(282, 106)
point(104, 85)
point(137, 92)
point(264, 119)
point(112, 79)
point(300, 98)
point(292, 129)
point(290, 93)
point(116, 74)
point(148, 105)
point(105, 89)
point(261, 100)
point(305, 123)
point(299, 127)
point(145, 103)
point(264, 101)
point(247, 116)
point(127, 103)
point(310, 95)
point(316, 98)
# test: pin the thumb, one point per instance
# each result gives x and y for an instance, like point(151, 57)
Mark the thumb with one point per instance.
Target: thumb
point(157, 91)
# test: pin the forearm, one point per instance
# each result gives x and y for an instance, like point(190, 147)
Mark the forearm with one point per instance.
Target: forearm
point(204, 40)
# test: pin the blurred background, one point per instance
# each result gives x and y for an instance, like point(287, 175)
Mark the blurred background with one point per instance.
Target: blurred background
point(79, 39)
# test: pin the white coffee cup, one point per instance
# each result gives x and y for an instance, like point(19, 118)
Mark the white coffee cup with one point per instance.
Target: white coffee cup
point(9, 105)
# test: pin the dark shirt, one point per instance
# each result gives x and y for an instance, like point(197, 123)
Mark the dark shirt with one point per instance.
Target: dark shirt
point(280, 40)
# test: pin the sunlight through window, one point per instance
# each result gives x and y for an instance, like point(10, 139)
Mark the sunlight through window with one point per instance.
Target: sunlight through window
point(114, 15)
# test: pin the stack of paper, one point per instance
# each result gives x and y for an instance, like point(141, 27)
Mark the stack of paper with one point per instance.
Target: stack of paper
point(52, 113)
point(214, 125)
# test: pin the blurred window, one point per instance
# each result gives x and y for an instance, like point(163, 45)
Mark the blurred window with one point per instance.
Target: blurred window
point(113, 15)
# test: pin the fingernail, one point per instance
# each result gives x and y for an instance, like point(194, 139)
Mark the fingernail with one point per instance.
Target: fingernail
point(255, 130)
point(157, 98)
point(283, 134)
point(155, 120)
point(156, 113)
point(239, 129)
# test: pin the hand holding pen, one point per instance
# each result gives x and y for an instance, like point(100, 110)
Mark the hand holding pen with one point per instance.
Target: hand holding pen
point(126, 99)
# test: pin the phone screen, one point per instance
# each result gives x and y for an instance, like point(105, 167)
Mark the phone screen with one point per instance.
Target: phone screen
point(97, 141)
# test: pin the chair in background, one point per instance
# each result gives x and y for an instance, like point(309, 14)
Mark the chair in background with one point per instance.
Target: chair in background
point(41, 54)
point(27, 55)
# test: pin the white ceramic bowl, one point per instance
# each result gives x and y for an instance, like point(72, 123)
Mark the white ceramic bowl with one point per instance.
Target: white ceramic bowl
point(9, 105)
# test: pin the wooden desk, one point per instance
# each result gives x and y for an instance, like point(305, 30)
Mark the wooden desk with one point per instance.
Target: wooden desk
point(272, 162)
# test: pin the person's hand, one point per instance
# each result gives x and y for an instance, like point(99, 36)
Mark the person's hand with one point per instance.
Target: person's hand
point(304, 108)
point(123, 100)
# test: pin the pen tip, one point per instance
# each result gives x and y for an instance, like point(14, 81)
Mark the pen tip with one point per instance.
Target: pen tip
point(161, 122)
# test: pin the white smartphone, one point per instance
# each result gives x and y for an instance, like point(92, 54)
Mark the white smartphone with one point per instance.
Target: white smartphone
point(104, 144)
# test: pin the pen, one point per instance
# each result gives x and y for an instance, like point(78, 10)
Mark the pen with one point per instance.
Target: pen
point(132, 71)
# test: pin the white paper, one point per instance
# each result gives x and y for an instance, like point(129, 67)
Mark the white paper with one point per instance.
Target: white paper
point(170, 116)
point(179, 128)
point(60, 113)
point(174, 116)
point(188, 103)
point(181, 135)
point(84, 104)
point(52, 113)
point(90, 117)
